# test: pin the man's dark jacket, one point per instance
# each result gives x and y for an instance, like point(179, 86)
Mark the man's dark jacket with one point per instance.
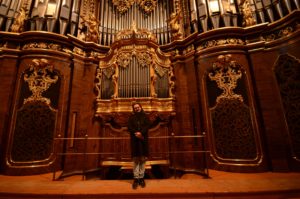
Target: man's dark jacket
point(139, 122)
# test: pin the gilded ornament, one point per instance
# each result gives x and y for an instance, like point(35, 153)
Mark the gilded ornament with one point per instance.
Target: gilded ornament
point(90, 32)
point(39, 78)
point(285, 32)
point(123, 5)
point(54, 47)
point(226, 73)
point(124, 59)
point(221, 42)
point(79, 51)
point(144, 59)
point(147, 5)
point(248, 19)
point(135, 32)
point(175, 22)
point(18, 25)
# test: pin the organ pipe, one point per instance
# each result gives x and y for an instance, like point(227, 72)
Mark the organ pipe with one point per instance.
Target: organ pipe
point(203, 14)
point(14, 6)
point(45, 14)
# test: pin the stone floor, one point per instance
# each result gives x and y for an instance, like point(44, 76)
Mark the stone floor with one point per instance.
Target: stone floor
point(219, 185)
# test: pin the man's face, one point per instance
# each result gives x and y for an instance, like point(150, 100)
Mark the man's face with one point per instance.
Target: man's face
point(137, 108)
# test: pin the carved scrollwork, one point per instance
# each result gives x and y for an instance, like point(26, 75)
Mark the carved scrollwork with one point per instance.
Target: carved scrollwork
point(18, 25)
point(92, 29)
point(43, 45)
point(123, 5)
point(79, 51)
point(171, 77)
point(221, 42)
point(248, 19)
point(226, 74)
point(144, 59)
point(147, 5)
point(135, 32)
point(39, 78)
point(284, 32)
point(123, 59)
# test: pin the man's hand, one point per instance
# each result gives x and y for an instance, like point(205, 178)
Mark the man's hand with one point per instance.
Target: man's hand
point(139, 135)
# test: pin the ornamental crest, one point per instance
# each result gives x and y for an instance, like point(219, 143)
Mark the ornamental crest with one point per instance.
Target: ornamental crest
point(226, 73)
point(39, 78)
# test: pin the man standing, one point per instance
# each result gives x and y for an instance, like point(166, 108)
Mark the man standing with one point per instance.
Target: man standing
point(138, 125)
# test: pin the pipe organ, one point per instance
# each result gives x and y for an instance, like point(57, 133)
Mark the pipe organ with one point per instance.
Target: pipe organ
point(213, 76)
point(135, 68)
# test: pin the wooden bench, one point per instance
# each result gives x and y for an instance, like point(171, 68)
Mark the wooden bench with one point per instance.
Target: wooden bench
point(127, 167)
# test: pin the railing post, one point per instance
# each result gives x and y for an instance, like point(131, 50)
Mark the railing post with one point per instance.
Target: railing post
point(205, 155)
point(56, 145)
point(174, 159)
point(84, 157)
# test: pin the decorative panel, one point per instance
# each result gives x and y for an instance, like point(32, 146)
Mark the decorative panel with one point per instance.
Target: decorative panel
point(233, 131)
point(35, 121)
point(287, 71)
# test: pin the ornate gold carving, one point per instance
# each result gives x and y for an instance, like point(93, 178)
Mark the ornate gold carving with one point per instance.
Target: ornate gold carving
point(39, 78)
point(123, 59)
point(171, 77)
point(134, 32)
point(98, 82)
point(153, 79)
point(43, 45)
point(92, 29)
point(226, 73)
point(144, 59)
point(176, 23)
point(88, 7)
point(285, 32)
point(79, 51)
point(18, 25)
point(123, 5)
point(115, 79)
point(248, 19)
point(221, 42)
point(123, 105)
point(147, 5)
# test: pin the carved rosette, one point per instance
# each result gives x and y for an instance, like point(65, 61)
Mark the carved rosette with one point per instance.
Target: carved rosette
point(39, 78)
point(226, 73)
